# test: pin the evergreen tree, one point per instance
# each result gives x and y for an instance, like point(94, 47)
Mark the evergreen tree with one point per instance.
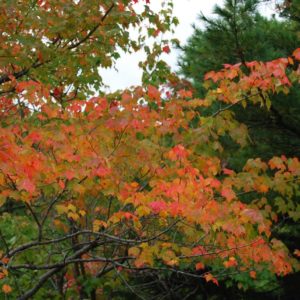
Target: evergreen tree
point(239, 34)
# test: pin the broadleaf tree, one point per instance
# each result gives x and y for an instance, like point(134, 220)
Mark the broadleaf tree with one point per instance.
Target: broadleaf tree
point(96, 190)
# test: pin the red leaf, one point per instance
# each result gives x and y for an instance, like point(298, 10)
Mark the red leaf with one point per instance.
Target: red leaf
point(228, 172)
point(128, 215)
point(166, 49)
point(153, 93)
point(158, 206)
point(27, 185)
point(34, 136)
point(121, 7)
point(228, 193)
point(178, 152)
point(102, 171)
point(69, 174)
point(61, 184)
point(200, 266)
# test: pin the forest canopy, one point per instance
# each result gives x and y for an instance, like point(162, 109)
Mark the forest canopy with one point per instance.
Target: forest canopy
point(159, 191)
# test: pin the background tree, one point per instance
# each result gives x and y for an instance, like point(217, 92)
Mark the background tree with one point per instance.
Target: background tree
point(239, 34)
point(290, 9)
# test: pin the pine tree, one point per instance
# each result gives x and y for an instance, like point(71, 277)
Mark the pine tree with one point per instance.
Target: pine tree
point(239, 34)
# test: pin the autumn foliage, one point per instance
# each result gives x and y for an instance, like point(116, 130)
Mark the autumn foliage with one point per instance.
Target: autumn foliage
point(127, 183)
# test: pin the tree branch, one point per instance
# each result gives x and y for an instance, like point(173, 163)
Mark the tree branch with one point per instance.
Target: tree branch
point(93, 29)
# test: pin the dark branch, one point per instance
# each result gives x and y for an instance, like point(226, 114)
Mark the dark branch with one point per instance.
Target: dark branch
point(93, 29)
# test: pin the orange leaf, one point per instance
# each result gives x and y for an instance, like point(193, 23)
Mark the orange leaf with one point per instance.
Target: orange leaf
point(153, 93)
point(6, 289)
point(228, 193)
point(297, 252)
point(252, 274)
point(200, 266)
point(296, 54)
point(209, 277)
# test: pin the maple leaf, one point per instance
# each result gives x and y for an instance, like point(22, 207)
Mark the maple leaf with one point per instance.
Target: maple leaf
point(34, 136)
point(228, 171)
point(98, 224)
point(134, 251)
point(57, 92)
point(209, 277)
point(27, 185)
point(158, 206)
point(185, 94)
point(128, 216)
point(277, 163)
point(252, 274)
point(166, 49)
point(102, 171)
point(61, 209)
point(70, 174)
point(178, 152)
point(228, 193)
point(73, 216)
point(200, 266)
point(153, 93)
point(297, 252)
point(121, 7)
point(296, 54)
point(6, 289)
point(253, 215)
point(61, 184)
point(231, 262)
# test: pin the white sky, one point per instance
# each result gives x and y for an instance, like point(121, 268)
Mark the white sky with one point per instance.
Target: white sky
point(187, 11)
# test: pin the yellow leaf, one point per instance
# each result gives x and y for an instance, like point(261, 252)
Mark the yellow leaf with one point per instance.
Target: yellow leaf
point(185, 251)
point(61, 209)
point(2, 179)
point(79, 189)
point(82, 213)
point(143, 211)
point(172, 262)
point(134, 184)
point(209, 277)
point(2, 200)
point(73, 216)
point(97, 224)
point(72, 208)
point(134, 251)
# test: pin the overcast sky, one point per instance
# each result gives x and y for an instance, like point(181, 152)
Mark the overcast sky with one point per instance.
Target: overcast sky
point(187, 12)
